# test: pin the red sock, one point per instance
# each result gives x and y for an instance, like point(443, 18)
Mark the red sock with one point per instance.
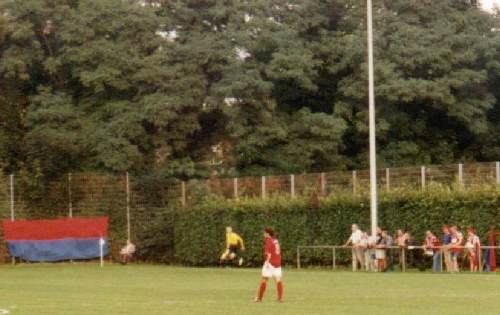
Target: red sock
point(262, 289)
point(279, 285)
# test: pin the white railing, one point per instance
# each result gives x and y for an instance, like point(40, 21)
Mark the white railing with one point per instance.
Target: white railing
point(402, 250)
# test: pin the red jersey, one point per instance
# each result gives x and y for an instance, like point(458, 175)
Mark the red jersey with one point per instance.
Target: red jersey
point(272, 247)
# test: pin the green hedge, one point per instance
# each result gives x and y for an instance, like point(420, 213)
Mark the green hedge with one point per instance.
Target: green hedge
point(196, 235)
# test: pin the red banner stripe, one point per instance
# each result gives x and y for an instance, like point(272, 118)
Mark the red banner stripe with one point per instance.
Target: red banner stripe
point(39, 230)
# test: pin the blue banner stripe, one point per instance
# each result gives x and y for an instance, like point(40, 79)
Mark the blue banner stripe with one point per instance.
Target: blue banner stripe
point(57, 250)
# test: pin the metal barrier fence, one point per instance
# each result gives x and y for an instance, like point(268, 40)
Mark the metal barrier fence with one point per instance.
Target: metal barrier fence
point(459, 176)
point(402, 251)
point(76, 194)
point(133, 203)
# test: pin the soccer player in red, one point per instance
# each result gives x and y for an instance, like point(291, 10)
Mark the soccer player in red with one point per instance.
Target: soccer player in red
point(272, 264)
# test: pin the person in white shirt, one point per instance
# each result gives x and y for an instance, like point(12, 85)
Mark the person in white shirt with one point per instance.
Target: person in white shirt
point(127, 252)
point(368, 244)
point(357, 247)
point(473, 246)
point(455, 247)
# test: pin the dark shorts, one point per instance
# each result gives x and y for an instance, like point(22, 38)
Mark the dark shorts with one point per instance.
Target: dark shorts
point(234, 250)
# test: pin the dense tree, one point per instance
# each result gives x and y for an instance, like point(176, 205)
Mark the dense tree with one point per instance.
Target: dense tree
point(279, 86)
point(101, 89)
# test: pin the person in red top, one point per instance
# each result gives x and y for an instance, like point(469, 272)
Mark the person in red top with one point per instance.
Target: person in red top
point(272, 264)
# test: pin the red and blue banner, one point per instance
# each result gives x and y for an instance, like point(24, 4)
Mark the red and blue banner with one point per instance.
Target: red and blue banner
point(56, 240)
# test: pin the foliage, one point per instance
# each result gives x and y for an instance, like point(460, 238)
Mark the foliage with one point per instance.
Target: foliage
point(152, 86)
point(198, 232)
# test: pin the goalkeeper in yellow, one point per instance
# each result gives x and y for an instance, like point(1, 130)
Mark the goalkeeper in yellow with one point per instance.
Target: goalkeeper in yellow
point(234, 243)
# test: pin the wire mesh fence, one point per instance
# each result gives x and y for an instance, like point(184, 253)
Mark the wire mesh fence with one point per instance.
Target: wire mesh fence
point(133, 205)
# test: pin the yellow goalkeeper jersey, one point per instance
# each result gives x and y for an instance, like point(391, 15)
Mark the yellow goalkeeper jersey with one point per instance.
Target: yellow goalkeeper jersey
point(233, 239)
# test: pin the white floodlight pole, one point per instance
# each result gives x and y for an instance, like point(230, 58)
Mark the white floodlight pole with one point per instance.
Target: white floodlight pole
point(371, 109)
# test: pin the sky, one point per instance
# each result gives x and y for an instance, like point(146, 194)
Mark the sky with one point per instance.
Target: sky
point(488, 4)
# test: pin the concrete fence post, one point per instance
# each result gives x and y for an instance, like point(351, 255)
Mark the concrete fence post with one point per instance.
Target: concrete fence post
point(127, 188)
point(183, 193)
point(387, 179)
point(263, 187)
point(292, 185)
point(422, 176)
point(70, 198)
point(12, 200)
point(235, 188)
point(460, 174)
point(497, 166)
point(354, 182)
point(323, 184)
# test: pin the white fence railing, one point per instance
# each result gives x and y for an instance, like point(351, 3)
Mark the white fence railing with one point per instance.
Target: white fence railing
point(402, 250)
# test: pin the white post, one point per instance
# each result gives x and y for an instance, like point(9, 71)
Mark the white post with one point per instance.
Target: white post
point(12, 216)
point(101, 251)
point(387, 179)
point(12, 200)
point(354, 180)
point(70, 204)
point(183, 193)
point(498, 172)
point(372, 127)
point(422, 176)
point(323, 184)
point(263, 187)
point(128, 206)
point(235, 188)
point(460, 174)
point(292, 185)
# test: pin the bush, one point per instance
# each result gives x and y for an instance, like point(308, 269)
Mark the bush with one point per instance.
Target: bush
point(198, 232)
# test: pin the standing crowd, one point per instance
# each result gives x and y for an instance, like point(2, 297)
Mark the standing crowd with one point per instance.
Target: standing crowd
point(375, 253)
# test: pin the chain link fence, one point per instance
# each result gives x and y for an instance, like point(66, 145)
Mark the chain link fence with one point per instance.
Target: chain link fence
point(136, 205)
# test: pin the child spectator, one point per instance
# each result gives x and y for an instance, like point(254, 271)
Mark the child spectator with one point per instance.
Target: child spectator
point(445, 250)
point(473, 247)
point(127, 252)
point(431, 248)
point(389, 242)
point(365, 245)
point(402, 243)
point(380, 250)
point(456, 246)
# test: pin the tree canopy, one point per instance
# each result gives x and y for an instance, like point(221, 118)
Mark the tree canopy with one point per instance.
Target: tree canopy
point(184, 87)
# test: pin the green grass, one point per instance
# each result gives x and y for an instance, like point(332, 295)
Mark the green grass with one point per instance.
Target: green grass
point(146, 290)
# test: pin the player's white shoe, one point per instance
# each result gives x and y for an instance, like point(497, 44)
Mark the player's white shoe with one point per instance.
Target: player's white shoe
point(240, 262)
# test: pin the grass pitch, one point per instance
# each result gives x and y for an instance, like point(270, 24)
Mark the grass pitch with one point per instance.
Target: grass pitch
point(68, 289)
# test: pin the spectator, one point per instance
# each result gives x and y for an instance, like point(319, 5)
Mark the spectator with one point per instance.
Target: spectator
point(400, 238)
point(445, 248)
point(357, 250)
point(389, 243)
point(381, 246)
point(411, 255)
point(432, 248)
point(457, 240)
point(402, 243)
point(365, 245)
point(372, 244)
point(473, 247)
point(127, 252)
point(490, 257)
